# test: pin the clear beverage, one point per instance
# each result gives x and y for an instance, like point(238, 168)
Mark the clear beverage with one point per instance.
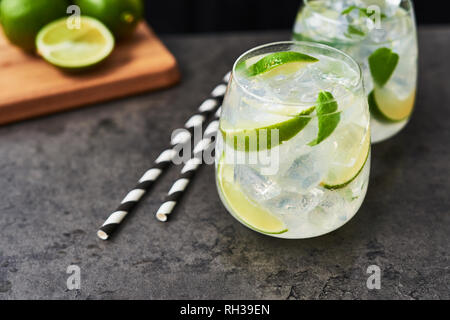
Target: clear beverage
point(293, 149)
point(381, 36)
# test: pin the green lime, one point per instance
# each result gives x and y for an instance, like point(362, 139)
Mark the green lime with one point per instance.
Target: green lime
point(284, 62)
point(340, 174)
point(22, 19)
point(246, 210)
point(120, 16)
point(75, 48)
point(250, 139)
point(386, 106)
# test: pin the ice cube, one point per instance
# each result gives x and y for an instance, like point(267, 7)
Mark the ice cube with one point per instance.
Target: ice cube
point(379, 35)
point(296, 203)
point(391, 7)
point(300, 86)
point(331, 211)
point(258, 187)
point(306, 171)
point(403, 80)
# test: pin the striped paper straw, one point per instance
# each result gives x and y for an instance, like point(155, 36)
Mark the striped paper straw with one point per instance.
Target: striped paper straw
point(187, 173)
point(164, 160)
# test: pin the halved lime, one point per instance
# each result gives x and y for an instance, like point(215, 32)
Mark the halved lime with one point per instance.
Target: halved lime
point(75, 48)
point(248, 212)
point(244, 138)
point(283, 62)
point(386, 106)
point(350, 157)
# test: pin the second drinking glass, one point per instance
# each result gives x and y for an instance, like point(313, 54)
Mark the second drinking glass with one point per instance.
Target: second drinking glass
point(381, 36)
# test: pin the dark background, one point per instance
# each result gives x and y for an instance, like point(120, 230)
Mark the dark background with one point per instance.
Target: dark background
point(192, 16)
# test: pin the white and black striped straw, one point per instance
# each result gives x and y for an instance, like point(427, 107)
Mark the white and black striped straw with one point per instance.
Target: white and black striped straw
point(164, 160)
point(187, 173)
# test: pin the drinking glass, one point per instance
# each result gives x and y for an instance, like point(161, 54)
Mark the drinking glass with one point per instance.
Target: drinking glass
point(381, 36)
point(293, 147)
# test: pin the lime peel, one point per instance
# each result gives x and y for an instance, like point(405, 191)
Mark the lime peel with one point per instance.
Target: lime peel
point(274, 61)
point(251, 139)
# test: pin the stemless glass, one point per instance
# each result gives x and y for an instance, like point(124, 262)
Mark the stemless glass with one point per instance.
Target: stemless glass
point(381, 36)
point(293, 148)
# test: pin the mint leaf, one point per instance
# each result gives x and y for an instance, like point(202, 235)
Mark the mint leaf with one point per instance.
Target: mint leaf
point(352, 30)
point(327, 116)
point(348, 10)
point(382, 64)
point(363, 12)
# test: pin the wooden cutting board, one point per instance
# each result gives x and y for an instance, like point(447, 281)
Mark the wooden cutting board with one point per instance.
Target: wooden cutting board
point(30, 87)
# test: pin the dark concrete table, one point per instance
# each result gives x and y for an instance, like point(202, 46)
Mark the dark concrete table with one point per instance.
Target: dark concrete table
point(61, 175)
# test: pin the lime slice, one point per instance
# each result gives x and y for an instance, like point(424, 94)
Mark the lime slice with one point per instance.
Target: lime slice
point(245, 209)
point(75, 48)
point(386, 106)
point(267, 137)
point(283, 62)
point(340, 174)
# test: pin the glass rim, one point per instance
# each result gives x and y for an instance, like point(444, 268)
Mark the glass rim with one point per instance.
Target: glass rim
point(305, 104)
point(307, 3)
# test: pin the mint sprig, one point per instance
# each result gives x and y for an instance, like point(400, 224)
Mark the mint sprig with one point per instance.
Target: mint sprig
point(382, 64)
point(363, 12)
point(327, 116)
point(353, 30)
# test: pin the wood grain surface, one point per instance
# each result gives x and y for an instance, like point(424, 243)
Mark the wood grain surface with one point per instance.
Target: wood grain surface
point(30, 87)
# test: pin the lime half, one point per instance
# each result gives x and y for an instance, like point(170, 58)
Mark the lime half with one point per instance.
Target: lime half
point(284, 62)
point(386, 106)
point(350, 157)
point(75, 48)
point(248, 212)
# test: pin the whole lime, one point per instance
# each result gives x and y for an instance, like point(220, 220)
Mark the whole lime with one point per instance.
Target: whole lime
point(120, 16)
point(22, 19)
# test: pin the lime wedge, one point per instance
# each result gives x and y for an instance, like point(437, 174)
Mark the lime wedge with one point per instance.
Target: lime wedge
point(283, 62)
point(350, 157)
point(245, 139)
point(386, 106)
point(245, 209)
point(75, 48)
